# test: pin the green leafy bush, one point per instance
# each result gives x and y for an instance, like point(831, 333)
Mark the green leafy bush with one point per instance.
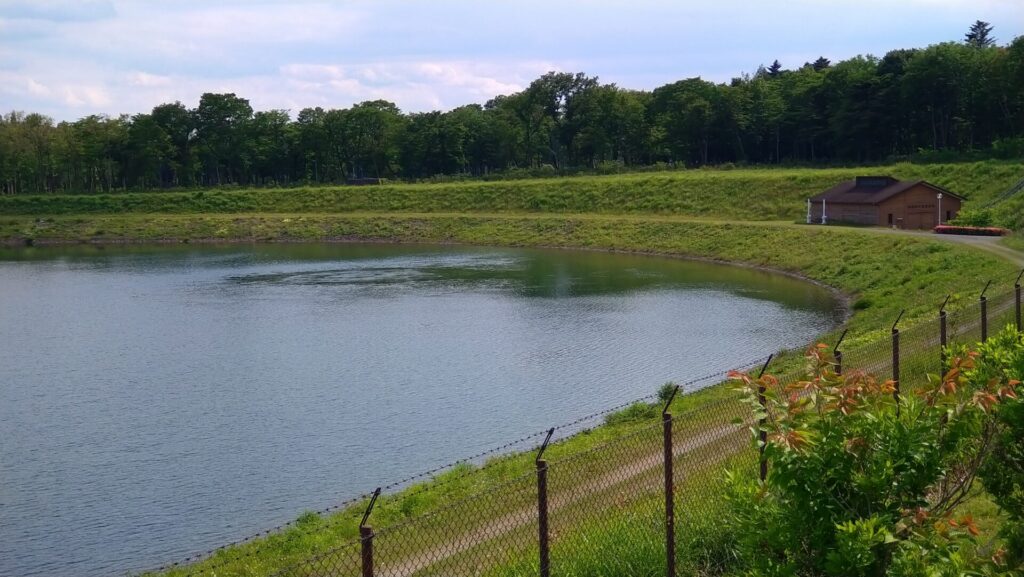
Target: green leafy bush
point(1008, 148)
point(974, 217)
point(861, 483)
point(1002, 358)
point(667, 391)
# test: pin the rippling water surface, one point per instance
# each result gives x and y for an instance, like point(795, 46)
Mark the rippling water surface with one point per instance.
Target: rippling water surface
point(160, 401)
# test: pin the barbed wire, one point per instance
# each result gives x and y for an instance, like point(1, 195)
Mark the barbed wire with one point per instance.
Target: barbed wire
point(958, 311)
point(191, 559)
point(362, 497)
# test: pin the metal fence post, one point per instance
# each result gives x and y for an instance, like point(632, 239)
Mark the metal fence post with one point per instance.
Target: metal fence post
point(762, 434)
point(896, 360)
point(670, 506)
point(984, 313)
point(943, 340)
point(838, 354)
point(366, 534)
point(366, 537)
point(542, 508)
point(1016, 294)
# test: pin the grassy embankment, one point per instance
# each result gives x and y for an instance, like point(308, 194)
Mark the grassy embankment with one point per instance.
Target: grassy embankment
point(506, 484)
point(672, 213)
point(741, 194)
point(1015, 242)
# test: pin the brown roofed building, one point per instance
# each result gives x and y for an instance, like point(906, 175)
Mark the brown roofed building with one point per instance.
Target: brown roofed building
point(884, 201)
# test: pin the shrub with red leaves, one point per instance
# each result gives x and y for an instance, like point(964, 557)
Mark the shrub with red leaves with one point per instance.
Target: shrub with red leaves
point(971, 230)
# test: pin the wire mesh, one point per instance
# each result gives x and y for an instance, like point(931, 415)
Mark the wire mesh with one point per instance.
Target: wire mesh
point(1002, 312)
point(874, 357)
point(475, 534)
point(341, 561)
point(705, 444)
point(589, 494)
point(605, 494)
point(920, 355)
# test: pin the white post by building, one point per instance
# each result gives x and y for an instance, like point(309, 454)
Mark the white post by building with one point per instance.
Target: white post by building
point(940, 207)
point(808, 211)
point(824, 219)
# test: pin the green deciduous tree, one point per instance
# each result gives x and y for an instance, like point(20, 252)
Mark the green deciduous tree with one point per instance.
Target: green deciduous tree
point(862, 484)
point(148, 151)
point(271, 137)
point(372, 130)
point(223, 123)
point(178, 123)
point(1002, 359)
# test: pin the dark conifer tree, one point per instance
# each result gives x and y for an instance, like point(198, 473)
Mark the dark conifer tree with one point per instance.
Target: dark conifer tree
point(980, 35)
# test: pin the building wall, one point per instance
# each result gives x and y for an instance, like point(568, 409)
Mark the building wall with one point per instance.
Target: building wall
point(838, 212)
point(915, 208)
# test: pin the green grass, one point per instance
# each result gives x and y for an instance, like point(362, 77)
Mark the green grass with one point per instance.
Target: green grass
point(631, 540)
point(631, 543)
point(987, 515)
point(742, 194)
point(1009, 213)
point(593, 452)
point(1014, 241)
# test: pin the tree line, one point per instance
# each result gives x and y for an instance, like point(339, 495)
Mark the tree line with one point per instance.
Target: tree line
point(956, 96)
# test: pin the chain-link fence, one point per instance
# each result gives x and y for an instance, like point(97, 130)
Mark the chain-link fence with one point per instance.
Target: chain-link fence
point(646, 490)
point(523, 526)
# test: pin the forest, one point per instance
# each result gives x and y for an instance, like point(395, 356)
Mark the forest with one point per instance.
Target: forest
point(947, 101)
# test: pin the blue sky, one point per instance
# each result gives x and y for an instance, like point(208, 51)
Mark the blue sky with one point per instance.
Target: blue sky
point(70, 58)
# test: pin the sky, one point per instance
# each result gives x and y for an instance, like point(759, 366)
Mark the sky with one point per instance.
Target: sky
point(72, 58)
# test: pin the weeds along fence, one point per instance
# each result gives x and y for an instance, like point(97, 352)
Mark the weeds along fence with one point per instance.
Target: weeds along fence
point(539, 520)
point(651, 492)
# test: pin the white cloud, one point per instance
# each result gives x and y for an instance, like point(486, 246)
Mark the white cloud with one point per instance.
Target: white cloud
point(475, 78)
point(125, 56)
point(36, 89)
point(148, 80)
point(415, 85)
point(56, 10)
point(175, 36)
point(45, 92)
point(85, 96)
point(281, 24)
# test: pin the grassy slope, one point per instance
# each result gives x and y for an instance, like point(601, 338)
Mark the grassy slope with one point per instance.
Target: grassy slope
point(747, 194)
point(314, 533)
point(1015, 242)
point(1010, 214)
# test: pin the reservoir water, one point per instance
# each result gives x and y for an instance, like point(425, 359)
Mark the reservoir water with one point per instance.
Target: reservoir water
point(159, 401)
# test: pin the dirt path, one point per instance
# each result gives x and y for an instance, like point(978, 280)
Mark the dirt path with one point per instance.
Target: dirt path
point(987, 243)
point(513, 521)
point(990, 244)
